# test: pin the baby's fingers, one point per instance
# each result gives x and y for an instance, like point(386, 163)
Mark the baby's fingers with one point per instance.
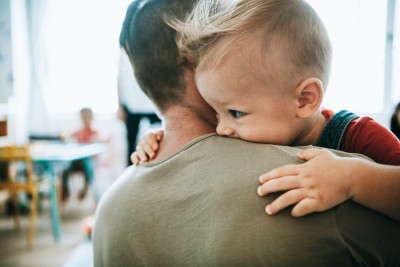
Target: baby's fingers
point(146, 148)
point(304, 207)
point(279, 172)
point(150, 141)
point(139, 156)
point(159, 135)
point(283, 201)
point(279, 184)
point(311, 153)
point(135, 158)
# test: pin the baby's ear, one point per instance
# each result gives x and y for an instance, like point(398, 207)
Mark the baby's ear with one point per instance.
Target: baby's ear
point(309, 94)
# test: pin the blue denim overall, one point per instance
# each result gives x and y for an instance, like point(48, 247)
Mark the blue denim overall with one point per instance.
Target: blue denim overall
point(333, 132)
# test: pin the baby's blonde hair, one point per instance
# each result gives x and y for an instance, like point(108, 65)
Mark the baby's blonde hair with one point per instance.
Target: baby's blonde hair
point(229, 23)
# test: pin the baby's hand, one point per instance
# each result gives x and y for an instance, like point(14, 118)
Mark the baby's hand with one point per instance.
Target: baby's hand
point(147, 147)
point(317, 185)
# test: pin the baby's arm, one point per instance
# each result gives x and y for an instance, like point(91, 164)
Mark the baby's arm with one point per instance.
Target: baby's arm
point(327, 180)
point(147, 147)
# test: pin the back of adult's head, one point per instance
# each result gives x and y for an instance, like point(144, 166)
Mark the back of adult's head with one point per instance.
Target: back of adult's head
point(293, 24)
point(395, 121)
point(151, 46)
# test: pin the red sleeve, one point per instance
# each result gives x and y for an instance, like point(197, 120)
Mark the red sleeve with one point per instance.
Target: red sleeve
point(366, 136)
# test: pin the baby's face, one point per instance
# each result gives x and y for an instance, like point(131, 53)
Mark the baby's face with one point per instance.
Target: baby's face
point(249, 106)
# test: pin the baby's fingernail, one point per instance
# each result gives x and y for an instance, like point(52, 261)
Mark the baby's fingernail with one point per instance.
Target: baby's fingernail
point(263, 177)
point(259, 191)
point(268, 210)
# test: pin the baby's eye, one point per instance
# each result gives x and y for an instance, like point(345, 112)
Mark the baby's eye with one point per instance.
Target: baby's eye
point(236, 113)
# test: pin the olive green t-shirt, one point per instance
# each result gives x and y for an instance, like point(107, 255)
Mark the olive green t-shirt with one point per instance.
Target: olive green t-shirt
point(200, 208)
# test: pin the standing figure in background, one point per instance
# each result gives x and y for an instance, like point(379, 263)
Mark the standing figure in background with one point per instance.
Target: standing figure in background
point(133, 103)
point(395, 121)
point(85, 135)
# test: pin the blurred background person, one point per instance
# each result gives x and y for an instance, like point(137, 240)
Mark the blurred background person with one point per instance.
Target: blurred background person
point(134, 105)
point(395, 121)
point(84, 135)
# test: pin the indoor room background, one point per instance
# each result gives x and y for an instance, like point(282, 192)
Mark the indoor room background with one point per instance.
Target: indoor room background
point(58, 56)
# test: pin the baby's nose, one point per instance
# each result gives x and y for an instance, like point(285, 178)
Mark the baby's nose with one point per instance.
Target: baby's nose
point(224, 130)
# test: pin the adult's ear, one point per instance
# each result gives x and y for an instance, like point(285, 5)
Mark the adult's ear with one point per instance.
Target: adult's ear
point(309, 95)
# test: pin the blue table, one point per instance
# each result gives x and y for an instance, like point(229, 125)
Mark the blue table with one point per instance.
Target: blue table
point(53, 157)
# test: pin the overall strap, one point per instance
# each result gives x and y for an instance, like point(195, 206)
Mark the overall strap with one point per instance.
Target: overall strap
point(333, 132)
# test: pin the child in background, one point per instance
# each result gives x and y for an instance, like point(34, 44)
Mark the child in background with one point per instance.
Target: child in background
point(85, 135)
point(263, 66)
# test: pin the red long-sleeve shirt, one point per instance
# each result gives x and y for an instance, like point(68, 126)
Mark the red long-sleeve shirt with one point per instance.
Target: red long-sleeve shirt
point(366, 136)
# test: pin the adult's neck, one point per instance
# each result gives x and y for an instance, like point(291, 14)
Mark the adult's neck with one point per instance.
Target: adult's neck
point(182, 125)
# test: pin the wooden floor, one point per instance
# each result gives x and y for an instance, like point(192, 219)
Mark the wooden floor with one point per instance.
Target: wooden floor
point(46, 252)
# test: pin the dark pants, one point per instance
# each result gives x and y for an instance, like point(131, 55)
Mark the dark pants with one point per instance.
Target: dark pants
point(132, 128)
point(76, 166)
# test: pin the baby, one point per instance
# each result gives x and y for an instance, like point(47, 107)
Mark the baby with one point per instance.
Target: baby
point(263, 66)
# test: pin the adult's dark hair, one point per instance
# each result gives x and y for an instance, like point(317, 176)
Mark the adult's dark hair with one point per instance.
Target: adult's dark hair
point(151, 46)
point(394, 122)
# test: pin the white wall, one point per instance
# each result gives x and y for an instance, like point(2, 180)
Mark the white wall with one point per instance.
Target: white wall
point(5, 52)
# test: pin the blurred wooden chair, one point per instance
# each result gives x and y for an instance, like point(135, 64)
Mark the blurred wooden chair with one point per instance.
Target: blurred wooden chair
point(13, 183)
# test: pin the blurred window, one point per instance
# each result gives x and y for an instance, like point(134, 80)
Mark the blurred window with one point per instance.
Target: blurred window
point(357, 29)
point(82, 47)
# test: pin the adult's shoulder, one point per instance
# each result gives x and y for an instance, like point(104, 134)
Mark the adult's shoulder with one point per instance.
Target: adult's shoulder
point(113, 193)
point(236, 146)
point(216, 142)
point(372, 238)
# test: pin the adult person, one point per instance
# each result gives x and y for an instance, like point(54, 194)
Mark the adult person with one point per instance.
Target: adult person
point(395, 121)
point(195, 204)
point(134, 105)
